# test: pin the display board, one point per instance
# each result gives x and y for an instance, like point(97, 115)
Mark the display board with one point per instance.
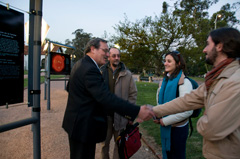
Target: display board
point(11, 56)
point(60, 64)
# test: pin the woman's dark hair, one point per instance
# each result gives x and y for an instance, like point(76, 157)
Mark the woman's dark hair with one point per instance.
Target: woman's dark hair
point(94, 42)
point(180, 64)
point(230, 38)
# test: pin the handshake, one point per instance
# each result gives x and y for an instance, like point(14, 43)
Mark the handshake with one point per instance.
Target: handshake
point(146, 113)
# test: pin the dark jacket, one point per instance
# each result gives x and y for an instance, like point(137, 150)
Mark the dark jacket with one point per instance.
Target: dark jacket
point(88, 102)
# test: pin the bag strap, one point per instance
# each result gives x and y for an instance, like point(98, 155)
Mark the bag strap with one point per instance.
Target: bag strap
point(191, 127)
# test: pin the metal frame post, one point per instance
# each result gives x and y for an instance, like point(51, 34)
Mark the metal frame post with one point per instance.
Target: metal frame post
point(30, 52)
point(45, 77)
point(36, 78)
point(48, 76)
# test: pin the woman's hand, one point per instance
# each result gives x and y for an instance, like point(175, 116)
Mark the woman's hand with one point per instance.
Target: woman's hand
point(161, 122)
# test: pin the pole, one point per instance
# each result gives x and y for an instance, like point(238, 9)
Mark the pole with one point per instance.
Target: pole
point(48, 75)
point(36, 77)
point(215, 22)
point(45, 75)
point(30, 52)
point(45, 78)
point(217, 16)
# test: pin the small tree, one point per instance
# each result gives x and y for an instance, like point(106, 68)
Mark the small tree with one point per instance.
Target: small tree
point(79, 42)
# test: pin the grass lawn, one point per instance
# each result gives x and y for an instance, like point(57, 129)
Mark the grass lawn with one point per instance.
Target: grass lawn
point(42, 78)
point(147, 95)
point(198, 79)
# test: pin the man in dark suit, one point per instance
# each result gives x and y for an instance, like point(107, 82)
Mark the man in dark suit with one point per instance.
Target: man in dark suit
point(89, 100)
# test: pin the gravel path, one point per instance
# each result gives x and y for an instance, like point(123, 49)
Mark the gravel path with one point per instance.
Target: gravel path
point(18, 143)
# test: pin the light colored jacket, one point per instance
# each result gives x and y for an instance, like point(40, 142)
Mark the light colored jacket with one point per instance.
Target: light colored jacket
point(220, 124)
point(179, 119)
point(126, 89)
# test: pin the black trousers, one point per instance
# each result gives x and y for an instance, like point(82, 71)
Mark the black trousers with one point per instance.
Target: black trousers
point(179, 137)
point(79, 150)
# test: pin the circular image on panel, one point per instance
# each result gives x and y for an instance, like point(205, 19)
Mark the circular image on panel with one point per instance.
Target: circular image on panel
point(58, 63)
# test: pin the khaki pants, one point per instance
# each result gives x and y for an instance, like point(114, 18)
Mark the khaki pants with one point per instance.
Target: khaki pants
point(106, 144)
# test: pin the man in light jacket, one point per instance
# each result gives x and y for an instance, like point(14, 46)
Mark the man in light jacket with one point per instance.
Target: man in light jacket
point(220, 95)
point(120, 82)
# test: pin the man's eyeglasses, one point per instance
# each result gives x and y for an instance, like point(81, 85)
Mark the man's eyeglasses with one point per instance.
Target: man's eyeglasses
point(116, 55)
point(104, 50)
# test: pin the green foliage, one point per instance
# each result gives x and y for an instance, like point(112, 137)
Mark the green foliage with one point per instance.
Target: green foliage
point(194, 18)
point(144, 42)
point(79, 42)
point(227, 18)
point(165, 7)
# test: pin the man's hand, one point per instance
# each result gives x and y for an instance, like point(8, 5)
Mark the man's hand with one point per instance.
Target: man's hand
point(158, 121)
point(145, 113)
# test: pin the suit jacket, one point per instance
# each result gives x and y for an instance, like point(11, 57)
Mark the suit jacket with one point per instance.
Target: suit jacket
point(88, 102)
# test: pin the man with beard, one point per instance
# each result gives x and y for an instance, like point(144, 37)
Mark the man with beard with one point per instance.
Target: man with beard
point(89, 99)
point(120, 82)
point(220, 95)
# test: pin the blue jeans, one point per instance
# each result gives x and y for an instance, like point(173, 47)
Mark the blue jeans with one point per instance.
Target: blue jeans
point(179, 137)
